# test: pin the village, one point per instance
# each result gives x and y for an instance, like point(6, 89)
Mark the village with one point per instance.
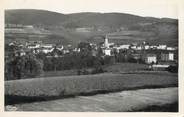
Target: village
point(159, 56)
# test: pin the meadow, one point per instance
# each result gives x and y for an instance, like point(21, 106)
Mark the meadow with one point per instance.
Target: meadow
point(115, 68)
point(59, 87)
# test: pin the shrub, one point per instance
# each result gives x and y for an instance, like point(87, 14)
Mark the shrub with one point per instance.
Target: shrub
point(172, 68)
point(109, 60)
point(97, 70)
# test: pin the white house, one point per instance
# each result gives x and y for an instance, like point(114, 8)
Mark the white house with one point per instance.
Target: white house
point(107, 52)
point(150, 58)
point(153, 47)
point(167, 56)
point(146, 47)
point(139, 48)
point(162, 47)
point(47, 45)
point(170, 48)
point(65, 51)
point(33, 46)
point(22, 52)
point(134, 47)
point(171, 56)
point(46, 50)
point(124, 46)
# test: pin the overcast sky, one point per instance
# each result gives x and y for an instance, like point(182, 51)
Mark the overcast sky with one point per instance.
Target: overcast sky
point(151, 8)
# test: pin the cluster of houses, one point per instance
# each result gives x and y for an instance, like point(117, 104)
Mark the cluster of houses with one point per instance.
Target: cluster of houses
point(40, 47)
point(134, 46)
point(159, 57)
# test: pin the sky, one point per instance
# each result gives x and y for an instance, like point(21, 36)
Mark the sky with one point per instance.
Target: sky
point(148, 8)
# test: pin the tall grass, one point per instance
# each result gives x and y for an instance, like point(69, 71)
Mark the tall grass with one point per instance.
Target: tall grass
point(73, 85)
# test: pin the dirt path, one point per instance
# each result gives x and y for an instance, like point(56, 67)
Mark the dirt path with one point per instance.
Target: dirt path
point(120, 101)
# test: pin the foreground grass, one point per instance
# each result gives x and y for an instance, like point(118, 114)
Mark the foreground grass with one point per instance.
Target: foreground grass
point(173, 107)
point(49, 88)
point(147, 100)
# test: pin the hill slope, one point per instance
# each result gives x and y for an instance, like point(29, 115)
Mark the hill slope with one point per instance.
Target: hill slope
point(151, 29)
point(36, 17)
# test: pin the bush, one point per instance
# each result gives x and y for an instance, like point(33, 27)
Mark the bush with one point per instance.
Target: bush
point(109, 60)
point(172, 68)
point(97, 70)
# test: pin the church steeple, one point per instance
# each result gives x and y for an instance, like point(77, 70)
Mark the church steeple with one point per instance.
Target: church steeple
point(106, 43)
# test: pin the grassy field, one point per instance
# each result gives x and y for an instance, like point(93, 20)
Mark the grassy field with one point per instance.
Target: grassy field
point(47, 88)
point(125, 67)
point(115, 68)
point(59, 73)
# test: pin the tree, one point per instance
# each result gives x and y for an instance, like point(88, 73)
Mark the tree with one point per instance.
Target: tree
point(84, 57)
point(24, 67)
point(84, 46)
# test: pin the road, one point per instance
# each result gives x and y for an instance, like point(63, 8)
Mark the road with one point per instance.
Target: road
point(112, 102)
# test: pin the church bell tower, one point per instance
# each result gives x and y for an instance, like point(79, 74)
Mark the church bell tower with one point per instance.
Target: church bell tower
point(106, 43)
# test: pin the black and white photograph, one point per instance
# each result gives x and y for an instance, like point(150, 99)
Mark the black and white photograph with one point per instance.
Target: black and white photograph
point(91, 56)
